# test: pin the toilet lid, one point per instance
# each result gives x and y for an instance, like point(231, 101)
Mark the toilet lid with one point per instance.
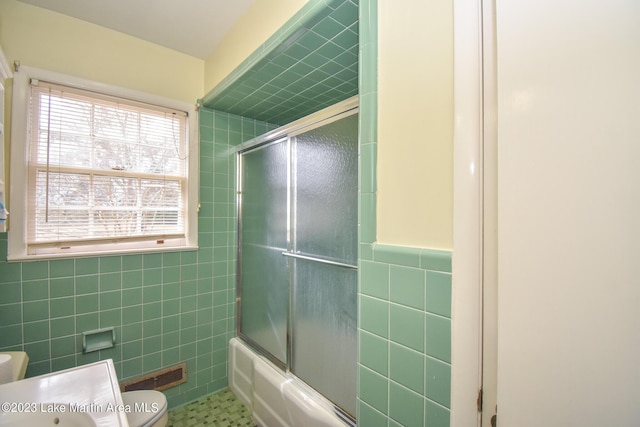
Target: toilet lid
point(146, 406)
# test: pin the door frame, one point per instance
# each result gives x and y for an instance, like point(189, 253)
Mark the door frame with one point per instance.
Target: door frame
point(474, 293)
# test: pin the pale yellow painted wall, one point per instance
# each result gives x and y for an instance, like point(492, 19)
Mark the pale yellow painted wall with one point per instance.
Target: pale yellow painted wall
point(44, 39)
point(415, 123)
point(261, 21)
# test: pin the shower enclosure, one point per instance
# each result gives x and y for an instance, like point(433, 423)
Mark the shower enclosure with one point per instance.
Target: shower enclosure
point(297, 250)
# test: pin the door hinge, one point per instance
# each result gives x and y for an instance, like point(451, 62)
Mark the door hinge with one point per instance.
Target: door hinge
point(479, 401)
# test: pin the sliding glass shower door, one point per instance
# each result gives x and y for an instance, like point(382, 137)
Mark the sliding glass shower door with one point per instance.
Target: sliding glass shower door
point(263, 274)
point(298, 254)
point(324, 285)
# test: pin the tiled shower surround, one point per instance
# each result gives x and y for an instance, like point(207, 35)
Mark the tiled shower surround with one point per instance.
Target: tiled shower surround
point(165, 307)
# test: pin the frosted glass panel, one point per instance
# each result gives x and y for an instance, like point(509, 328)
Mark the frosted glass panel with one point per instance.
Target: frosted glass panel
point(324, 330)
point(326, 191)
point(263, 237)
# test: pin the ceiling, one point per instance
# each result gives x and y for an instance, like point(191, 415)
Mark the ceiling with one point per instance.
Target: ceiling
point(194, 27)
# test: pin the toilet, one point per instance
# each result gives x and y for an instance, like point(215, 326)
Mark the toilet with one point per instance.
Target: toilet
point(148, 408)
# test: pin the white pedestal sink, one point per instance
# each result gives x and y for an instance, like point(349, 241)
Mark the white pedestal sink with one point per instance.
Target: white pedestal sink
point(86, 395)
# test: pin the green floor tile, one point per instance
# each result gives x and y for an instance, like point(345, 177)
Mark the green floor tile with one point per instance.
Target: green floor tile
point(221, 409)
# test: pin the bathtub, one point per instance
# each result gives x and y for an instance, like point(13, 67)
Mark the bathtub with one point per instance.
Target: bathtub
point(275, 398)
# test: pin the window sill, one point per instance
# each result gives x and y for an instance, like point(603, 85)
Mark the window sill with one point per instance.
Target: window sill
point(86, 254)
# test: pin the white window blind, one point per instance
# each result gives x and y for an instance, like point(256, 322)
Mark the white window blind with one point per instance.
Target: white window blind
point(103, 169)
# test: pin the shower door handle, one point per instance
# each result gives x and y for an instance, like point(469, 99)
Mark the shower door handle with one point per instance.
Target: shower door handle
point(320, 260)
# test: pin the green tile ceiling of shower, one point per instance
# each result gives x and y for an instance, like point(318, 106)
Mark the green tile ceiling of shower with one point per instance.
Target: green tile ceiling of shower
point(310, 64)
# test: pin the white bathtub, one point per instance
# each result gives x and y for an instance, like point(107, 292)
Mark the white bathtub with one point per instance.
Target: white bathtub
point(275, 399)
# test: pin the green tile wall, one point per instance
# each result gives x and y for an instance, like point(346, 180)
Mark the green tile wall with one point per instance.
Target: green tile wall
point(405, 337)
point(166, 307)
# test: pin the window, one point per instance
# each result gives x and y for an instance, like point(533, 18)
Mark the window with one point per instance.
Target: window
point(102, 173)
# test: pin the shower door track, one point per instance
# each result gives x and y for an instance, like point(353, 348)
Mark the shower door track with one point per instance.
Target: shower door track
point(335, 112)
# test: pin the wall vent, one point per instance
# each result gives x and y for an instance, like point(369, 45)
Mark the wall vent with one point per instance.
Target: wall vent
point(160, 380)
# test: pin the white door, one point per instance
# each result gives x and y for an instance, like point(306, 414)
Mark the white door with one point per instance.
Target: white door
point(568, 212)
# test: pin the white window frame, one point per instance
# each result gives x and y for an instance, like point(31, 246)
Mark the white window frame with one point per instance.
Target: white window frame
point(5, 73)
point(17, 240)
